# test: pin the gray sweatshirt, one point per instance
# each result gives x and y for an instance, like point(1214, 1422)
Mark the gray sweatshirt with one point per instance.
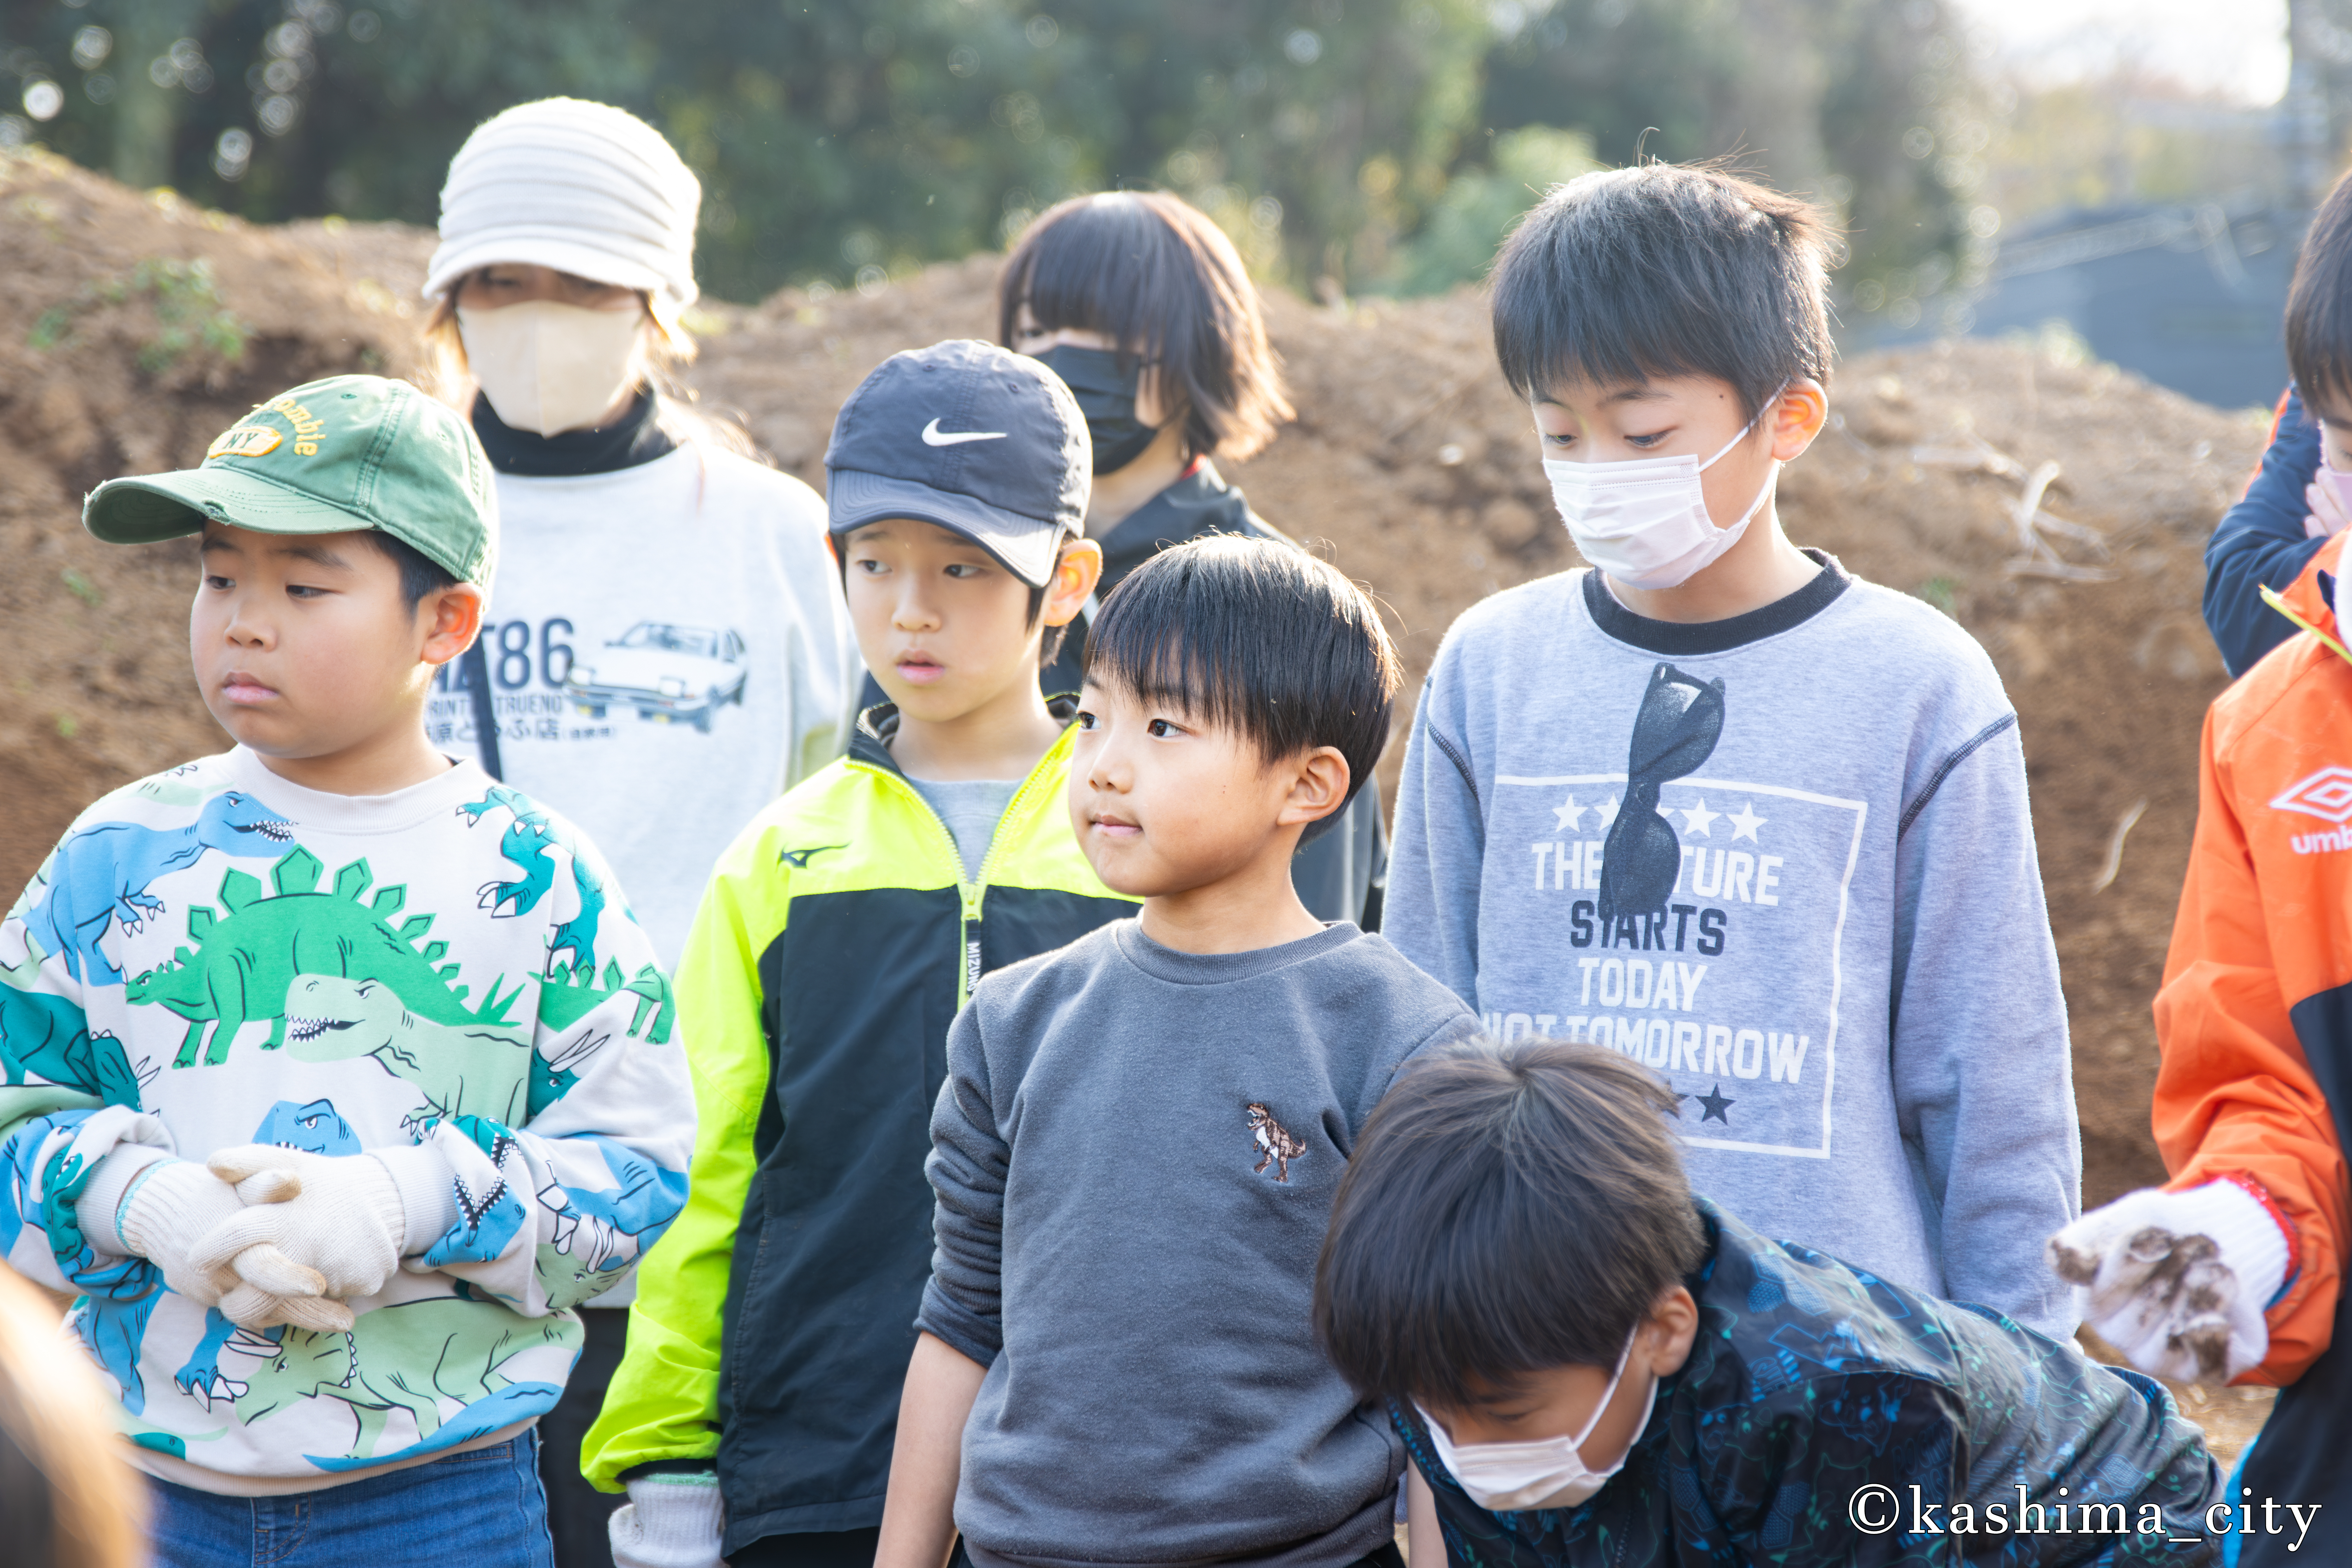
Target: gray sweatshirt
point(1785, 859)
point(1135, 1152)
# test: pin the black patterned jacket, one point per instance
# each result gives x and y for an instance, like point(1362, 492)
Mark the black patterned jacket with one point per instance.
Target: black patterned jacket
point(1828, 1417)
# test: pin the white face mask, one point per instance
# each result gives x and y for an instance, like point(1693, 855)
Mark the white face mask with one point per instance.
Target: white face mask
point(1644, 521)
point(547, 367)
point(1510, 1477)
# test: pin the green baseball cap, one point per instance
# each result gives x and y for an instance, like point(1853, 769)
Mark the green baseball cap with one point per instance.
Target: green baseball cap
point(349, 452)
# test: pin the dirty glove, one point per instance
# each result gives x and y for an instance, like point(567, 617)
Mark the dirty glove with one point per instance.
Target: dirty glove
point(669, 1521)
point(2178, 1281)
point(316, 1225)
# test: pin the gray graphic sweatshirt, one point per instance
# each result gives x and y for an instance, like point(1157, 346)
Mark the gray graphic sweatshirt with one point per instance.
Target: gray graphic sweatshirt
point(1784, 859)
point(1135, 1152)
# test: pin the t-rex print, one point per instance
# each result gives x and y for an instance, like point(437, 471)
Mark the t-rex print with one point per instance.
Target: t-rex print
point(530, 836)
point(245, 961)
point(416, 1356)
point(100, 874)
point(316, 1127)
point(479, 1069)
point(1276, 1146)
point(47, 1037)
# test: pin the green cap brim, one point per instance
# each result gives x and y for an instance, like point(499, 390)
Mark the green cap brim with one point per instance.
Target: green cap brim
point(151, 507)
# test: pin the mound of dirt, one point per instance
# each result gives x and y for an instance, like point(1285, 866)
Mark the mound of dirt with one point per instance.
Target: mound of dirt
point(1411, 465)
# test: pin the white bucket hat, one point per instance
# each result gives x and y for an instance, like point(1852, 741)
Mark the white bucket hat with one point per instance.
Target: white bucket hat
point(582, 187)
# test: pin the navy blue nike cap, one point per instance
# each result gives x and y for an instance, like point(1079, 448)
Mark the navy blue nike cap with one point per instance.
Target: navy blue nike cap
point(970, 437)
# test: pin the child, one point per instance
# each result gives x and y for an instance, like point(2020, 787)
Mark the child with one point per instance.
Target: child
point(402, 1009)
point(2234, 1270)
point(667, 702)
point(1138, 1140)
point(1588, 1365)
point(1140, 303)
point(2301, 495)
point(1716, 803)
point(841, 932)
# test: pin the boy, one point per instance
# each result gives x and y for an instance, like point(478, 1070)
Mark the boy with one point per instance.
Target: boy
point(403, 1010)
point(1588, 1365)
point(840, 933)
point(1716, 803)
point(1137, 1143)
point(2234, 1270)
point(2300, 495)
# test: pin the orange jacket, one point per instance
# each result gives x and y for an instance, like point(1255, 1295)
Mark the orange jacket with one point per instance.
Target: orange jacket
point(2254, 1022)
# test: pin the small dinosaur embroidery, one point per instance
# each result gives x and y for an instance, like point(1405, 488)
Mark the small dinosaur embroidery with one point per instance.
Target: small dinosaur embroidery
point(1274, 1144)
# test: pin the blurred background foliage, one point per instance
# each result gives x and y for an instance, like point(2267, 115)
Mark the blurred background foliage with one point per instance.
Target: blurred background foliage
point(1350, 146)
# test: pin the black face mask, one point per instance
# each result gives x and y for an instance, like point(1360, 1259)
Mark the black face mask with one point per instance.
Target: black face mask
point(1108, 400)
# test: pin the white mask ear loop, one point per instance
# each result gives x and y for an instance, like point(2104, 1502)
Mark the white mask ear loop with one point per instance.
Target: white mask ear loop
point(1770, 404)
point(1608, 1394)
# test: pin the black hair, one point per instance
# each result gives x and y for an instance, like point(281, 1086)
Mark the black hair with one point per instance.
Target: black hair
point(2319, 308)
point(1509, 1209)
point(1258, 637)
point(1632, 275)
point(1155, 275)
point(420, 577)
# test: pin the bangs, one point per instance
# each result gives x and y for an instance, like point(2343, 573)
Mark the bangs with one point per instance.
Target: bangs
point(1256, 638)
point(1637, 275)
point(1155, 276)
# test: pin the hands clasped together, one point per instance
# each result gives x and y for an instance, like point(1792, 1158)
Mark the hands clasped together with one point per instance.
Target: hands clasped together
point(269, 1235)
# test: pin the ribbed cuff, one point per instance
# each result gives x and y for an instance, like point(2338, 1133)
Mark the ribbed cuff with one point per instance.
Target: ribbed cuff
point(428, 1193)
point(99, 1208)
point(2251, 1244)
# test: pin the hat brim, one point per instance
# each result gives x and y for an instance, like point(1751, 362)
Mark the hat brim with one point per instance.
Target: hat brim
point(152, 507)
point(1026, 546)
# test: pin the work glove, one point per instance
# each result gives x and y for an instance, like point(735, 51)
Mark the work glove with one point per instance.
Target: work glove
point(316, 1230)
point(669, 1521)
point(149, 1205)
point(2178, 1281)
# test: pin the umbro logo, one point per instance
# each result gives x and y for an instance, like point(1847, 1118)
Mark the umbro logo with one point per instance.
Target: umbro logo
point(935, 436)
point(798, 859)
point(2325, 794)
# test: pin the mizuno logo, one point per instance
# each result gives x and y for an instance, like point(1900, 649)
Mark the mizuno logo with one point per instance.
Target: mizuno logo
point(798, 859)
point(935, 436)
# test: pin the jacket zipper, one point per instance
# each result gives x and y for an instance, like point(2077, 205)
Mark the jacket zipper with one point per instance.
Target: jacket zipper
point(971, 896)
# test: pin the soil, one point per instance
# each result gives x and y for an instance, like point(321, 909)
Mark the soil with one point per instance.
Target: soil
point(1411, 465)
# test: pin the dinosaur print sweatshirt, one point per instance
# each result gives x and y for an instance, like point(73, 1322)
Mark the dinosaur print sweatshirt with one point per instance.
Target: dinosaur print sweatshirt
point(444, 977)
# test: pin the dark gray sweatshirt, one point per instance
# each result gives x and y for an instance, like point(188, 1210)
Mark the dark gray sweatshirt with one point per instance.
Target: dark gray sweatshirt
point(1134, 1152)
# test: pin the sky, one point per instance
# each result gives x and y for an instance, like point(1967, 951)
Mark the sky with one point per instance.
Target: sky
point(2236, 48)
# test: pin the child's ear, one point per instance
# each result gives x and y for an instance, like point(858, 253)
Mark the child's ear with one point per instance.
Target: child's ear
point(1318, 788)
point(1074, 576)
point(1797, 416)
point(453, 618)
point(1672, 1329)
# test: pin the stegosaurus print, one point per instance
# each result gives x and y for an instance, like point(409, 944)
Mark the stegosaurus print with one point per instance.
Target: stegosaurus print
point(244, 961)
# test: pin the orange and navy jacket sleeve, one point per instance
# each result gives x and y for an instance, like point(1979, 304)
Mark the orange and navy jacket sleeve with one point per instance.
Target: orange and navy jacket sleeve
point(2255, 1020)
point(2260, 542)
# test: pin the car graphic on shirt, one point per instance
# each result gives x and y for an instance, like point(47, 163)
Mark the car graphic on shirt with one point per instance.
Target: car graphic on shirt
point(672, 673)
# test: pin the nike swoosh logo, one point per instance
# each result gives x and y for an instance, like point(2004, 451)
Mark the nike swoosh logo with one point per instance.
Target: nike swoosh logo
point(935, 436)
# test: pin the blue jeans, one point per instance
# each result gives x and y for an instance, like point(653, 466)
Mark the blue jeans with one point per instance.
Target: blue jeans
point(478, 1509)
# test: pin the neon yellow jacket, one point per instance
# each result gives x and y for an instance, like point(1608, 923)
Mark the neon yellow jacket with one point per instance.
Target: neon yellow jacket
point(835, 945)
